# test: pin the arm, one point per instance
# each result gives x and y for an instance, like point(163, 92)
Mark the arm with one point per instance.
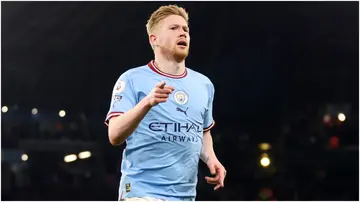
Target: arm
point(123, 126)
point(216, 168)
point(207, 154)
point(207, 151)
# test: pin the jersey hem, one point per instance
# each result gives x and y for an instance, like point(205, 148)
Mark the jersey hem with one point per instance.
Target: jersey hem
point(112, 115)
point(209, 127)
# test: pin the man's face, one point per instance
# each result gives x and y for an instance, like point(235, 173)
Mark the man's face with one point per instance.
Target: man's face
point(172, 37)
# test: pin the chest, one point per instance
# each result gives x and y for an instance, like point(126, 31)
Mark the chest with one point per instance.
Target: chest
point(189, 100)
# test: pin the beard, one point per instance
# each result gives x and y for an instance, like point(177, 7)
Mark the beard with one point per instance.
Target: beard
point(180, 54)
point(176, 53)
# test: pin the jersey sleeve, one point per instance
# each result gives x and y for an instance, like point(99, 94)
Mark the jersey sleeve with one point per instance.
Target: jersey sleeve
point(122, 98)
point(208, 118)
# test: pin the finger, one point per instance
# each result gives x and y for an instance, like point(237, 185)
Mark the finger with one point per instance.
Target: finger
point(217, 187)
point(159, 100)
point(212, 182)
point(169, 87)
point(160, 95)
point(161, 84)
point(221, 178)
point(216, 178)
point(163, 91)
point(221, 174)
point(212, 170)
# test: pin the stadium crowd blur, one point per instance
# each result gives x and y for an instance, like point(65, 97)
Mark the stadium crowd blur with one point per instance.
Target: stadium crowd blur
point(295, 144)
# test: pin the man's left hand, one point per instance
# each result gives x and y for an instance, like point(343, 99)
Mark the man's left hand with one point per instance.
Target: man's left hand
point(217, 169)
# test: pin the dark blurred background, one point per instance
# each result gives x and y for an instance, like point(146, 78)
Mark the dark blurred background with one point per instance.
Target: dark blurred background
point(286, 102)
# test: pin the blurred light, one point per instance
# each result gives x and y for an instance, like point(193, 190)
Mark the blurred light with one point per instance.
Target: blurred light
point(265, 161)
point(84, 154)
point(264, 146)
point(70, 158)
point(327, 118)
point(62, 113)
point(266, 193)
point(334, 142)
point(34, 111)
point(4, 109)
point(24, 157)
point(341, 117)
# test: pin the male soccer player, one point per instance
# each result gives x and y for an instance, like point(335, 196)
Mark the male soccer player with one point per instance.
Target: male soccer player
point(163, 111)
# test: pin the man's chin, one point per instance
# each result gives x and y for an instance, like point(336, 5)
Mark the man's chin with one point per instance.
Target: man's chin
point(179, 56)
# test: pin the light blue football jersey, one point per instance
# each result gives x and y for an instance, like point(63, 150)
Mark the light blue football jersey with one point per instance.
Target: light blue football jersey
point(162, 155)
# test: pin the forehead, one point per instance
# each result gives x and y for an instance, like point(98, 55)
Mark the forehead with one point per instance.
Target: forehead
point(174, 20)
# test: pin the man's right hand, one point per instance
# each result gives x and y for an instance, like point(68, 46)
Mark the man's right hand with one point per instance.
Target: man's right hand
point(159, 94)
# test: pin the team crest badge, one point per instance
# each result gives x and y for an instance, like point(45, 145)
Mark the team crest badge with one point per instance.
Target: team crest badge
point(119, 87)
point(127, 187)
point(181, 97)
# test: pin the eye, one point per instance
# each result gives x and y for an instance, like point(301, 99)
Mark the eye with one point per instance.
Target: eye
point(173, 28)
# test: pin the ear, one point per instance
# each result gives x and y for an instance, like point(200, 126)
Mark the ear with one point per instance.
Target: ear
point(153, 40)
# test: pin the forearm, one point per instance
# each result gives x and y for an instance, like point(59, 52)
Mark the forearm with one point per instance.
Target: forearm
point(123, 126)
point(207, 151)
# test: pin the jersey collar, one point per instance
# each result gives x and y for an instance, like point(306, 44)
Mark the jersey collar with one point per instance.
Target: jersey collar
point(153, 67)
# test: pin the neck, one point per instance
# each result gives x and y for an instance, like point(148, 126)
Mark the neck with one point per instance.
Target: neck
point(169, 66)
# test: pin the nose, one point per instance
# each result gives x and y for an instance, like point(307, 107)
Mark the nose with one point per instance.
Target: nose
point(183, 34)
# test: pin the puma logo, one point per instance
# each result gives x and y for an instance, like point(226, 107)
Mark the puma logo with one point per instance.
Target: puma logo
point(183, 111)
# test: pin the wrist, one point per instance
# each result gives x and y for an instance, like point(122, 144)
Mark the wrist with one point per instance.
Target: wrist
point(207, 158)
point(145, 103)
point(212, 158)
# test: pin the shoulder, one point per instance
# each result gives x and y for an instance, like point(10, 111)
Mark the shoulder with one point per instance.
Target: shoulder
point(131, 76)
point(200, 77)
point(135, 72)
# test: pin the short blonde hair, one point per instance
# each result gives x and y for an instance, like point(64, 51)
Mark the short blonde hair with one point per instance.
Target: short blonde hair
point(163, 12)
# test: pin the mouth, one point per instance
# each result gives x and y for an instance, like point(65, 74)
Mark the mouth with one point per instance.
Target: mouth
point(182, 43)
